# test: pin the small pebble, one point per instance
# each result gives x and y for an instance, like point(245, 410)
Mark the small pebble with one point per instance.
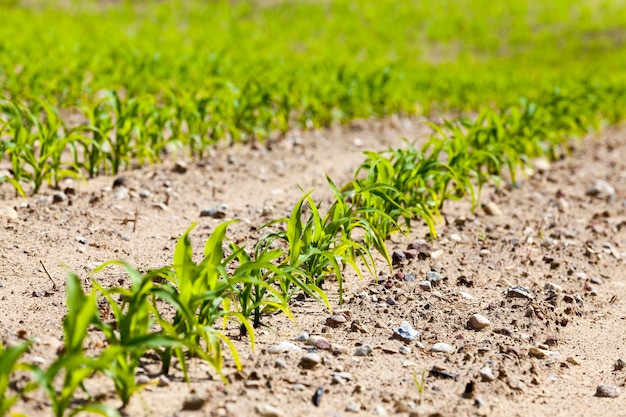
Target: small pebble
point(59, 198)
point(336, 320)
point(478, 322)
point(322, 344)
point(433, 276)
point(405, 350)
point(163, 381)
point(602, 190)
point(391, 301)
point(455, 237)
point(310, 360)
point(410, 277)
point(426, 285)
point(484, 252)
point(302, 337)
point(406, 332)
point(596, 280)
point(618, 365)
point(607, 391)
point(398, 257)
point(487, 374)
point(218, 212)
point(352, 407)
point(193, 402)
point(266, 410)
point(317, 396)
point(280, 364)
point(379, 410)
point(441, 347)
point(144, 194)
point(492, 209)
point(180, 167)
point(516, 383)
point(553, 287)
point(283, 347)
point(364, 350)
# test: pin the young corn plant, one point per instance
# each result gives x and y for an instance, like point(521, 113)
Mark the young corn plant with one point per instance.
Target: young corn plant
point(265, 286)
point(200, 295)
point(9, 363)
point(132, 332)
point(318, 245)
point(72, 366)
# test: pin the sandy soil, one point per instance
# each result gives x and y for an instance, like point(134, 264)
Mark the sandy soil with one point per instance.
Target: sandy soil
point(547, 346)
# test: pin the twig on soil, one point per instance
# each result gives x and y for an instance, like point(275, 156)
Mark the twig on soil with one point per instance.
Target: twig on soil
point(132, 220)
point(54, 284)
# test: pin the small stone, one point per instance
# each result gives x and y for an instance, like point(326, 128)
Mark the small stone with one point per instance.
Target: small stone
point(537, 353)
point(398, 257)
point(180, 167)
point(310, 360)
point(406, 332)
point(602, 190)
point(410, 277)
point(121, 193)
point(322, 344)
point(484, 252)
point(59, 198)
point(8, 213)
point(82, 240)
point(266, 410)
point(280, 364)
point(404, 350)
point(551, 286)
point(518, 292)
point(336, 320)
point(487, 374)
point(492, 209)
point(541, 165)
point(437, 254)
point(456, 238)
point(317, 396)
point(426, 285)
point(302, 337)
point(352, 407)
point(379, 410)
point(516, 383)
point(433, 276)
point(193, 402)
point(163, 381)
point(596, 280)
point(283, 347)
point(618, 365)
point(364, 350)
point(218, 212)
point(607, 391)
point(253, 384)
point(572, 360)
point(144, 194)
point(478, 322)
point(341, 377)
point(466, 295)
point(119, 182)
point(391, 301)
point(441, 347)
point(143, 380)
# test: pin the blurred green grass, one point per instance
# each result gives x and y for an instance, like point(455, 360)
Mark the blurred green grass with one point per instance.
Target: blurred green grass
point(452, 53)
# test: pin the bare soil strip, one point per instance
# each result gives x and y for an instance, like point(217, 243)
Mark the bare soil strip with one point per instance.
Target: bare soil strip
point(548, 275)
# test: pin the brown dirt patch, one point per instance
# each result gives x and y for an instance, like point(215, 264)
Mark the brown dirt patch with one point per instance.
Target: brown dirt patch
point(550, 232)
